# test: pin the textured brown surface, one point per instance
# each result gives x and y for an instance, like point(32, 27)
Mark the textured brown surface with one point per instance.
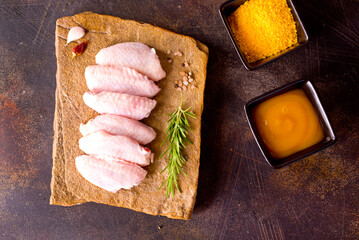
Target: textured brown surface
point(68, 186)
point(239, 195)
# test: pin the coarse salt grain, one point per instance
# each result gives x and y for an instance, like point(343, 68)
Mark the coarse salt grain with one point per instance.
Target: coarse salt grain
point(178, 53)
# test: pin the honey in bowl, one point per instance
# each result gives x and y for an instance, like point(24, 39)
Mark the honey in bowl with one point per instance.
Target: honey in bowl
point(287, 123)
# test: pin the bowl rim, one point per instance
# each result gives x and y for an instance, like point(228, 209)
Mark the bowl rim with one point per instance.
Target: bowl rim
point(285, 52)
point(329, 134)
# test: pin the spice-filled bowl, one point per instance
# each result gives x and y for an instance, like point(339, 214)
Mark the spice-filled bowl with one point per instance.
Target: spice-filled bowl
point(262, 31)
point(289, 123)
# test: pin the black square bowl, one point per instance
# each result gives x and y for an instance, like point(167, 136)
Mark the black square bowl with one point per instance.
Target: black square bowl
point(329, 136)
point(227, 8)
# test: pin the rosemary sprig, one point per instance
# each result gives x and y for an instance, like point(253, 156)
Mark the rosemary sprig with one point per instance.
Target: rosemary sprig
point(176, 132)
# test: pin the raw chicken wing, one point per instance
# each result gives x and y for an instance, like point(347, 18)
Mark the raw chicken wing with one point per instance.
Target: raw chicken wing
point(117, 125)
point(120, 104)
point(119, 79)
point(103, 143)
point(109, 173)
point(134, 55)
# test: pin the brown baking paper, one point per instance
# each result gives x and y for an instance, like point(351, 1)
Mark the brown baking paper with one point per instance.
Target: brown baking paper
point(68, 187)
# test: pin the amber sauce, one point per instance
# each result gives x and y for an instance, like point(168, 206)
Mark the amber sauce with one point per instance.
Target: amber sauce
point(287, 123)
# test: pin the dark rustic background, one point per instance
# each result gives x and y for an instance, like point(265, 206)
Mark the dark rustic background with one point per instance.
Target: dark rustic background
point(239, 195)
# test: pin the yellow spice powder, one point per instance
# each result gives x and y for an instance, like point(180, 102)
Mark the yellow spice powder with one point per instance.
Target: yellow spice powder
point(263, 28)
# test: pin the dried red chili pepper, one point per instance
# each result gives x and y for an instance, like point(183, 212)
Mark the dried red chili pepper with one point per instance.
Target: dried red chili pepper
point(79, 49)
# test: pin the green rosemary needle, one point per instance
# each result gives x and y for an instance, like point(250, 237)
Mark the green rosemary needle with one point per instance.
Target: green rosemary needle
point(176, 132)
